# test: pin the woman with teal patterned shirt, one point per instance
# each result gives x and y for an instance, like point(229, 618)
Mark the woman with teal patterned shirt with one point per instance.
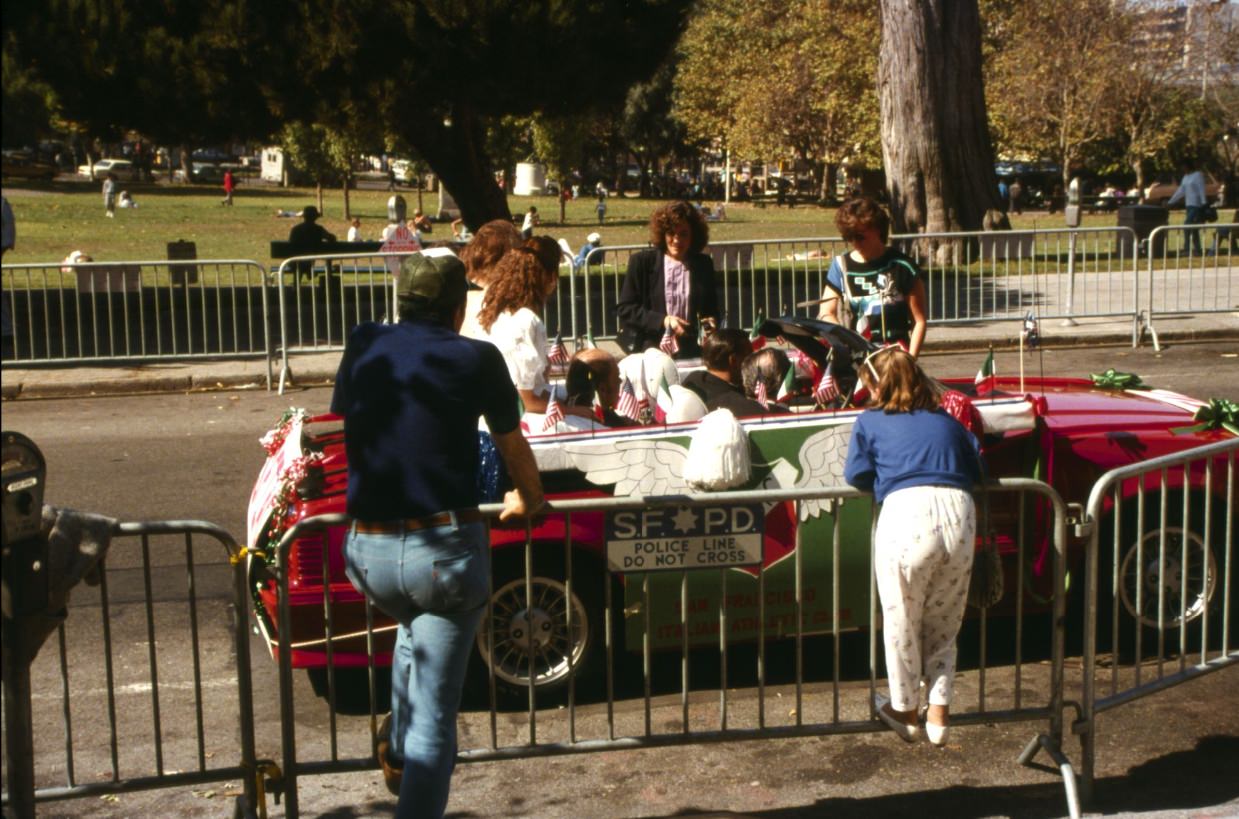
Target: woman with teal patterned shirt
point(874, 289)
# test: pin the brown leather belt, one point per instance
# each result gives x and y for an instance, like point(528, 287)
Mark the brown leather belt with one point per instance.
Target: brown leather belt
point(395, 527)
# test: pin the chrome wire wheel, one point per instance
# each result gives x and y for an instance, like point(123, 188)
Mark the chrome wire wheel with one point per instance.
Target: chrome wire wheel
point(532, 638)
point(1144, 574)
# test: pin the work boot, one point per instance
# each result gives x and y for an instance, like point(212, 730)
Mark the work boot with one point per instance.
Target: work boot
point(393, 768)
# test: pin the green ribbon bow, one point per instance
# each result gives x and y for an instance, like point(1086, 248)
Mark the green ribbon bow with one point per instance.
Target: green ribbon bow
point(1112, 379)
point(1219, 413)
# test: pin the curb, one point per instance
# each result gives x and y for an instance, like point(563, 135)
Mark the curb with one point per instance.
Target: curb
point(136, 382)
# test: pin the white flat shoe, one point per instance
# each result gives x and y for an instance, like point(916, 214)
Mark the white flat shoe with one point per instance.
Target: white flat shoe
point(937, 734)
point(906, 732)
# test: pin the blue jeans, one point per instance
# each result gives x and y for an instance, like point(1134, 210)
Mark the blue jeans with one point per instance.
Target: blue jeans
point(1194, 216)
point(433, 583)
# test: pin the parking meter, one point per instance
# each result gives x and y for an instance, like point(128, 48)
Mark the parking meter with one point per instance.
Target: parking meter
point(23, 471)
point(1072, 210)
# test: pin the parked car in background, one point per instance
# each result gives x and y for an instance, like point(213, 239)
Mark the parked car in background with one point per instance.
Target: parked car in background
point(23, 165)
point(122, 168)
point(1159, 192)
point(404, 170)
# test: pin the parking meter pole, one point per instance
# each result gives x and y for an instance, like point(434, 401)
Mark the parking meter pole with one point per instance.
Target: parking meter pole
point(19, 728)
point(23, 593)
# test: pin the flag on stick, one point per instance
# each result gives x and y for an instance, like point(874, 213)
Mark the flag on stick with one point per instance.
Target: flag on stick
point(788, 388)
point(663, 402)
point(763, 397)
point(755, 337)
point(987, 373)
point(554, 413)
point(627, 405)
point(557, 353)
point(670, 344)
point(827, 389)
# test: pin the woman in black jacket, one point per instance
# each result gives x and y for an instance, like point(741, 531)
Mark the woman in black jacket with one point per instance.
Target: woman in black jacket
point(670, 288)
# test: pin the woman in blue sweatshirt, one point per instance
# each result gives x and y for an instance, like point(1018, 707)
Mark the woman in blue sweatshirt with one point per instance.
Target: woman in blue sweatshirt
point(921, 465)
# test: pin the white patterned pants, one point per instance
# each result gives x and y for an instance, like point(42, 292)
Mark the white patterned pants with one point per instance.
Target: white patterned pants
point(922, 558)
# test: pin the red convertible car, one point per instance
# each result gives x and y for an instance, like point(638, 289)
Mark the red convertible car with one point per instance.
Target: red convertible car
point(1064, 431)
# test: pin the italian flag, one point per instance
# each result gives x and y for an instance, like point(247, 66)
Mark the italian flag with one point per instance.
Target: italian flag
point(662, 401)
point(788, 387)
point(755, 337)
point(986, 374)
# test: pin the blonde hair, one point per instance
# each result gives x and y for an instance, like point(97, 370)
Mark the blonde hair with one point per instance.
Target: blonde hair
point(896, 382)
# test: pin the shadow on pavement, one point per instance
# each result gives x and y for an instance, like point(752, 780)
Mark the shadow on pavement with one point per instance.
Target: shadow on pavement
point(1184, 780)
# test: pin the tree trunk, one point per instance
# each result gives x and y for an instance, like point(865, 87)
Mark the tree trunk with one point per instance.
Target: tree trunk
point(186, 166)
point(347, 213)
point(457, 155)
point(563, 202)
point(935, 140)
point(318, 194)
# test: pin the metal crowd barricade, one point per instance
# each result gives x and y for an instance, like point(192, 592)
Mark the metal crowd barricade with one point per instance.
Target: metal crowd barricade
point(322, 298)
point(1190, 269)
point(1164, 532)
point(991, 276)
point(139, 310)
point(174, 710)
point(714, 712)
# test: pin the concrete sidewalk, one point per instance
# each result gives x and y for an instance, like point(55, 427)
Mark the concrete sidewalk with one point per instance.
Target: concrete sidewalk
point(308, 369)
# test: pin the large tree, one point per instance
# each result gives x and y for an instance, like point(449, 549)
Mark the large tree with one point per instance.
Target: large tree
point(431, 72)
point(935, 137)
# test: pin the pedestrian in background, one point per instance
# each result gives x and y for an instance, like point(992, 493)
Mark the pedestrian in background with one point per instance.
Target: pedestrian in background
point(411, 395)
point(229, 186)
point(532, 220)
point(921, 465)
point(601, 207)
point(109, 195)
point(354, 230)
point(1192, 193)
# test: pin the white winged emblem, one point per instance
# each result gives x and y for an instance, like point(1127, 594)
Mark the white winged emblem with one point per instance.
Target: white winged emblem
point(640, 467)
point(822, 458)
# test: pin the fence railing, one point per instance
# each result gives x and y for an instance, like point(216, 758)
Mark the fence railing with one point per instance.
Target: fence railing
point(1190, 269)
point(178, 705)
point(559, 612)
point(969, 277)
point(1160, 579)
point(130, 311)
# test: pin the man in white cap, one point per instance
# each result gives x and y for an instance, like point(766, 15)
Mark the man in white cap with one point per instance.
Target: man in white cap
point(592, 242)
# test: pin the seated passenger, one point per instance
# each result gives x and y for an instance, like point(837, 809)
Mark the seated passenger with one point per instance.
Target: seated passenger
point(762, 373)
point(721, 352)
point(594, 374)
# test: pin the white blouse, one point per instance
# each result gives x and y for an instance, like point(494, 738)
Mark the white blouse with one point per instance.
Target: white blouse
point(521, 337)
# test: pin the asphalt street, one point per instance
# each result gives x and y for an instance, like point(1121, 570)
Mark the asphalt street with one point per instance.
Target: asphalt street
point(196, 455)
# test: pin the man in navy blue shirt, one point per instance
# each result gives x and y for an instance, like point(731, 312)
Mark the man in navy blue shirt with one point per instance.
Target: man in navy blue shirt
point(411, 395)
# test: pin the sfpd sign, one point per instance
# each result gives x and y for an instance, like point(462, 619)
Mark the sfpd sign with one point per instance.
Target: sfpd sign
point(684, 537)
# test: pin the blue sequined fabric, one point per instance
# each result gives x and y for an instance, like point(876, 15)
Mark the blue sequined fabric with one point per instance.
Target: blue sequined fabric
point(492, 476)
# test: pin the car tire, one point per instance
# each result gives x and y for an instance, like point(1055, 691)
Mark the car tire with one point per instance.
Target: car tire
point(535, 639)
point(1143, 575)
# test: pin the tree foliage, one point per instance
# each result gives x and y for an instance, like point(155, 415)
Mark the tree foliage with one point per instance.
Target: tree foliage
point(811, 95)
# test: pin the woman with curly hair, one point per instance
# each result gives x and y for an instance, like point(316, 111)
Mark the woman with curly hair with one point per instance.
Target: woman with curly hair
point(670, 288)
point(921, 465)
point(480, 257)
point(519, 286)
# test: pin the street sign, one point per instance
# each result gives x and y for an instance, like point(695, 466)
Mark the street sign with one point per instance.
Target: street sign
point(685, 537)
point(398, 239)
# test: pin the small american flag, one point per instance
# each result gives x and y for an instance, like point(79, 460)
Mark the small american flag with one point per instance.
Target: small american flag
point(763, 397)
point(627, 405)
point(827, 389)
point(670, 344)
point(557, 353)
point(554, 413)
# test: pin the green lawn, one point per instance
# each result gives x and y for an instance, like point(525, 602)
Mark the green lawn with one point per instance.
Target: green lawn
point(56, 218)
